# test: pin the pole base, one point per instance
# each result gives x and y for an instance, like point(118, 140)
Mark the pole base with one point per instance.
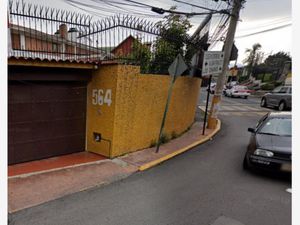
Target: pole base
point(212, 123)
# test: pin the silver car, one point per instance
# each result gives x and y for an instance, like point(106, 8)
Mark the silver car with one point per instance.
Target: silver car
point(280, 97)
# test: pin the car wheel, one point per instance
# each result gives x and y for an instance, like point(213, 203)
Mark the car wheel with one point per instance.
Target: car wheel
point(245, 164)
point(263, 102)
point(245, 97)
point(281, 106)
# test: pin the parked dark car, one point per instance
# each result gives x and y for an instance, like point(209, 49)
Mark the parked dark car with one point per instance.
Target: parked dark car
point(280, 97)
point(269, 147)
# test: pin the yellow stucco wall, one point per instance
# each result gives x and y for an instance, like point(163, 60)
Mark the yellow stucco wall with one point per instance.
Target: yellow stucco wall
point(100, 118)
point(133, 119)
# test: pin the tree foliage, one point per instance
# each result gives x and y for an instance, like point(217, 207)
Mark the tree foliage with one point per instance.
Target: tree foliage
point(253, 55)
point(253, 58)
point(171, 42)
point(141, 53)
point(274, 64)
point(277, 60)
point(173, 35)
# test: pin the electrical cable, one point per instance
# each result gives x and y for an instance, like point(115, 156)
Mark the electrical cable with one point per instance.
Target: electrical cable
point(220, 32)
point(264, 31)
point(270, 23)
point(197, 6)
point(105, 10)
point(217, 29)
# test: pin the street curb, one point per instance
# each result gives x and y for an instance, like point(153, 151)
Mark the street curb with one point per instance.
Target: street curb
point(57, 169)
point(182, 150)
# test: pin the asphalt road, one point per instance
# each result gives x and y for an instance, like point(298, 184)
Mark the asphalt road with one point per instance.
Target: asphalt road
point(252, 100)
point(204, 186)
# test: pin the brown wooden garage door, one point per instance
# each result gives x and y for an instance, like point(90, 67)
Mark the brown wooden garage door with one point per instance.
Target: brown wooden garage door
point(45, 119)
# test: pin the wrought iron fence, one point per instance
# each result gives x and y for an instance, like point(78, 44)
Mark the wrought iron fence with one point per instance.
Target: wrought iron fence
point(47, 33)
point(55, 34)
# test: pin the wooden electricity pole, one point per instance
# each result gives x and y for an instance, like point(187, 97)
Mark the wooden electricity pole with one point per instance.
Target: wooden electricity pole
point(212, 119)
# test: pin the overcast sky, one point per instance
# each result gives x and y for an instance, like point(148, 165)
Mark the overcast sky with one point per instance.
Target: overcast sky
point(256, 16)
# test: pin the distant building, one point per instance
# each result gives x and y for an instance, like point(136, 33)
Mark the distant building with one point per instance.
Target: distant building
point(125, 48)
point(63, 44)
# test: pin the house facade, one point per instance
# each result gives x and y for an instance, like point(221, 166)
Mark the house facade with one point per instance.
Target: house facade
point(62, 44)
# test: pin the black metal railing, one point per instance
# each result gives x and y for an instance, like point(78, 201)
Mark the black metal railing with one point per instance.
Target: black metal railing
point(47, 33)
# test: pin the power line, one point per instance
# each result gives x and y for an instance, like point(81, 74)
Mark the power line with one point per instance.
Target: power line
point(123, 3)
point(270, 23)
point(214, 42)
point(221, 30)
point(104, 9)
point(218, 28)
point(161, 10)
point(111, 3)
point(85, 10)
point(264, 31)
point(139, 3)
point(197, 6)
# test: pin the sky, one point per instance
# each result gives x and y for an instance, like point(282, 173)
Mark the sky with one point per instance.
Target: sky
point(257, 13)
point(256, 16)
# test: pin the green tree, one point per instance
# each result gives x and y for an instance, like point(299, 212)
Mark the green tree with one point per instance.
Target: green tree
point(173, 35)
point(141, 54)
point(277, 60)
point(253, 58)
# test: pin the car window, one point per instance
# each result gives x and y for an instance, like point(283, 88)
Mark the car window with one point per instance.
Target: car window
point(277, 126)
point(261, 120)
point(276, 90)
point(283, 90)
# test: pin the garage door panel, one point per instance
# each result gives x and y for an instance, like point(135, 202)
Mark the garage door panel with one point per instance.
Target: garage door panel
point(49, 123)
point(19, 112)
point(73, 109)
point(73, 93)
point(58, 128)
point(29, 151)
point(19, 93)
point(19, 133)
point(44, 92)
point(41, 111)
point(11, 153)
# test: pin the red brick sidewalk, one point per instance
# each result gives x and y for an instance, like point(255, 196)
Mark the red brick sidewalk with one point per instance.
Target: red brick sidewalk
point(42, 186)
point(53, 163)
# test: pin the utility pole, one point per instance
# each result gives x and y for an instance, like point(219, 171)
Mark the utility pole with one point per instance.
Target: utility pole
point(212, 119)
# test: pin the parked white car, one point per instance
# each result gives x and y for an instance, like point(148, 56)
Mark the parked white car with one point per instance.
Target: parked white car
point(231, 84)
point(238, 91)
point(212, 87)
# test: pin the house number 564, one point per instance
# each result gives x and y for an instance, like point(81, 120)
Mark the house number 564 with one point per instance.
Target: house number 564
point(101, 97)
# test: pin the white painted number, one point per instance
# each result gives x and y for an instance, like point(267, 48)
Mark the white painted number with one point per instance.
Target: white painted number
point(99, 98)
point(95, 97)
point(107, 98)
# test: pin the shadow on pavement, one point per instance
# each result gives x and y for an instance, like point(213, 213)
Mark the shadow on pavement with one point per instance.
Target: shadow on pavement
point(279, 176)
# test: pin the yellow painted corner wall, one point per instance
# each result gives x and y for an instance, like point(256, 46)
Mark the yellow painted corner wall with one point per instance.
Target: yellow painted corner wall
point(140, 104)
point(100, 114)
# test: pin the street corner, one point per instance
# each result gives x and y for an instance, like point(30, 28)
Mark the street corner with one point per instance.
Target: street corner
point(148, 158)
